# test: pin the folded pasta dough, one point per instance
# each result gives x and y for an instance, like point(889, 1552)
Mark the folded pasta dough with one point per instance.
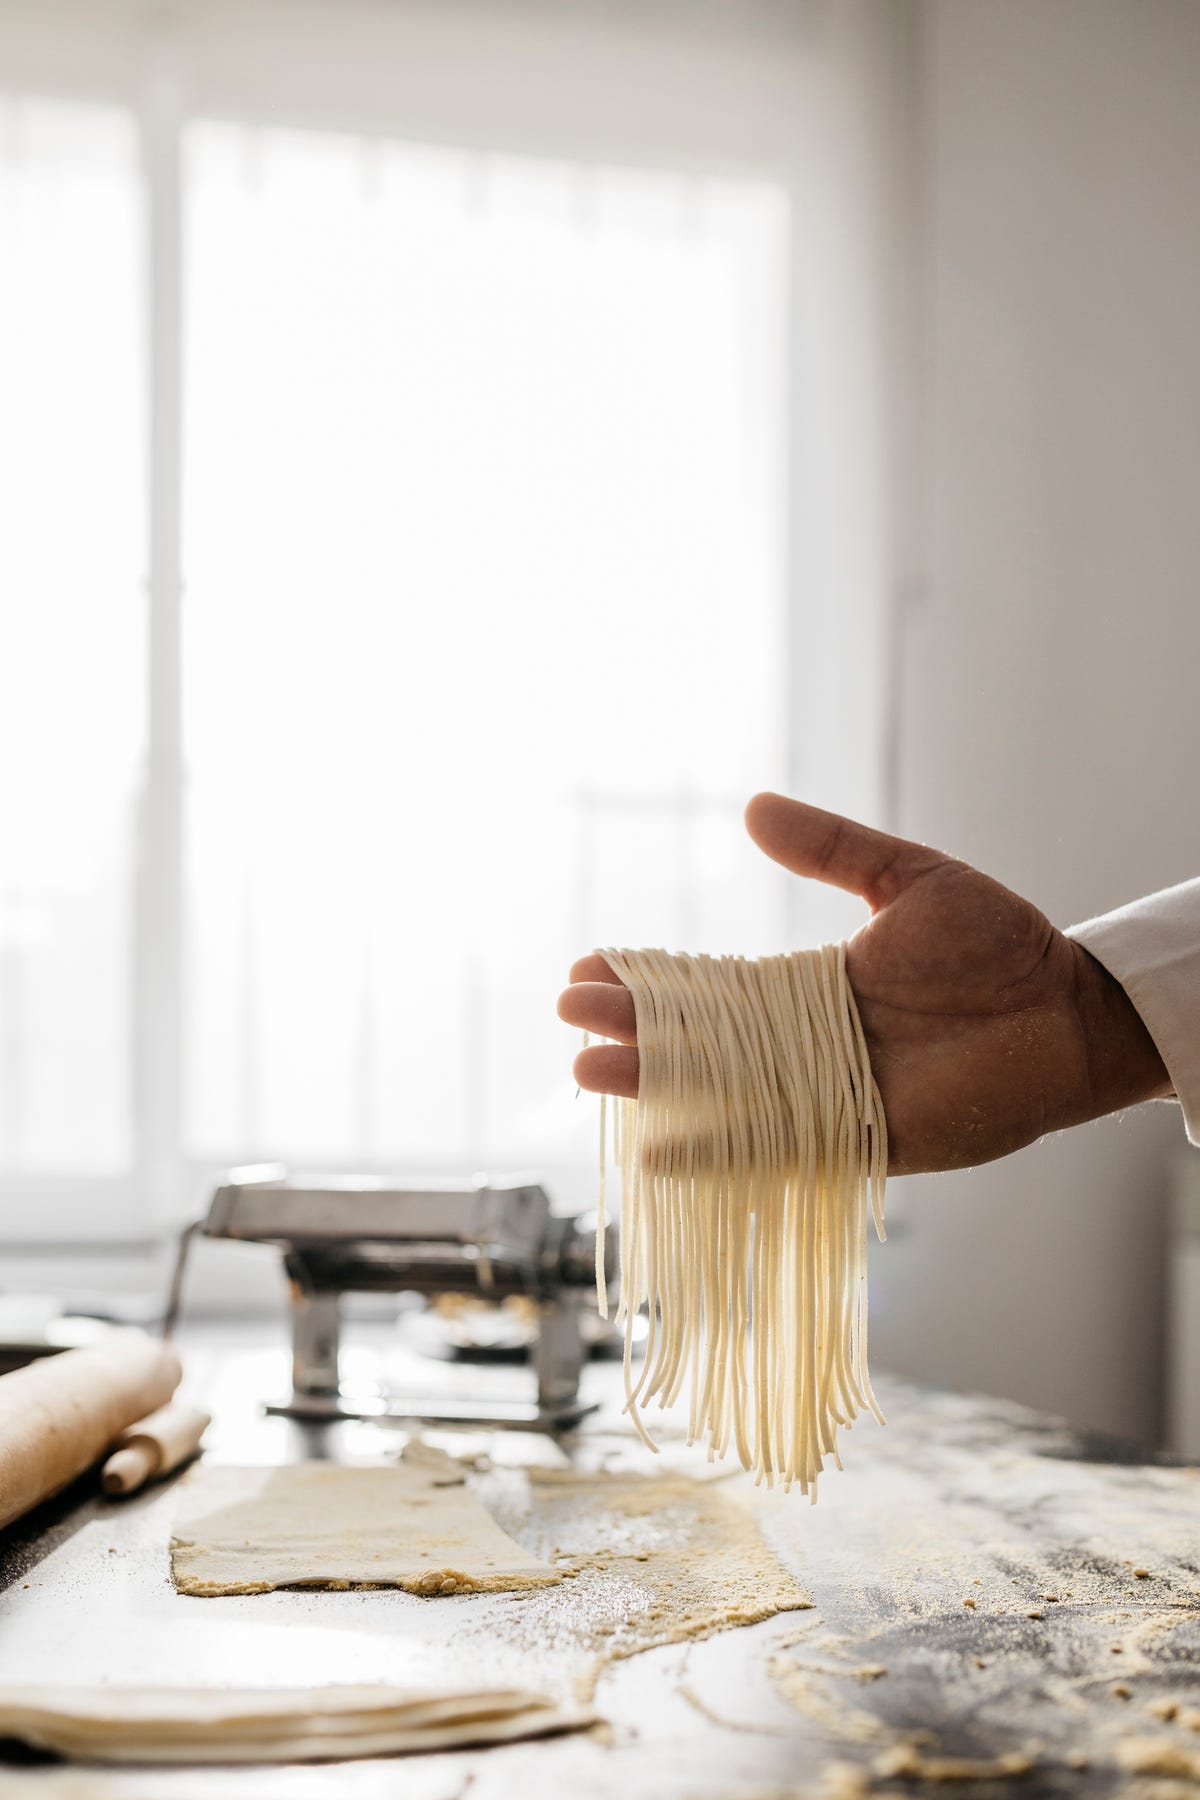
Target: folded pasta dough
point(248, 1530)
point(212, 1725)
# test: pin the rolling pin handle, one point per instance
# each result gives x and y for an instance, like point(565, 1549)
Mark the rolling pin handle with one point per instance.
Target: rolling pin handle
point(154, 1446)
point(127, 1469)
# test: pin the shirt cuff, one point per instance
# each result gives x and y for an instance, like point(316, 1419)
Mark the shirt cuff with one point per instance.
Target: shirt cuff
point(1152, 947)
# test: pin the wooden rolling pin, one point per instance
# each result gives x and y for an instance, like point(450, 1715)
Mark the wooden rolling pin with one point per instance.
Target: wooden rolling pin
point(154, 1446)
point(60, 1415)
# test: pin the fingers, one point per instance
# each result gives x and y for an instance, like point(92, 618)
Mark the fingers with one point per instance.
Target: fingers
point(601, 1007)
point(830, 848)
point(598, 1001)
point(608, 1069)
point(593, 968)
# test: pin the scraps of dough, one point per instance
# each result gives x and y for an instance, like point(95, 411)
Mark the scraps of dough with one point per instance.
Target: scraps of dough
point(647, 1560)
point(213, 1725)
point(748, 1162)
point(246, 1531)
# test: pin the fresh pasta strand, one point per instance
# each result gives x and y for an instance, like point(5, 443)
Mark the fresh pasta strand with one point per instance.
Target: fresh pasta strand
point(601, 1209)
point(749, 1164)
point(601, 1218)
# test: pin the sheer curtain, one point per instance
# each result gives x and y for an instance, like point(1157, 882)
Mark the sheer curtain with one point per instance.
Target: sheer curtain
point(72, 629)
point(531, 487)
point(484, 621)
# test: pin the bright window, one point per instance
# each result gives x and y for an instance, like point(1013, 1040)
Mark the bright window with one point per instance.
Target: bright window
point(484, 620)
point(72, 633)
point(483, 609)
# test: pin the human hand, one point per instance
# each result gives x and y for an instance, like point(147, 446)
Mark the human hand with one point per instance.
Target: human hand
point(986, 1027)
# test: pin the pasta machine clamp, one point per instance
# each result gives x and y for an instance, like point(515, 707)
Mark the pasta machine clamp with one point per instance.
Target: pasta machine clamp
point(486, 1239)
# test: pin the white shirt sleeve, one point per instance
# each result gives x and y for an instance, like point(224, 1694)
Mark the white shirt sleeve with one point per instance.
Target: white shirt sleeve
point(1153, 948)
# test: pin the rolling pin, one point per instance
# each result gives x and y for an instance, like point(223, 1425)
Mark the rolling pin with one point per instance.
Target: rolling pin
point(59, 1416)
point(154, 1446)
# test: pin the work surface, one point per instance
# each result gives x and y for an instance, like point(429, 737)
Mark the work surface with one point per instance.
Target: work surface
point(985, 1584)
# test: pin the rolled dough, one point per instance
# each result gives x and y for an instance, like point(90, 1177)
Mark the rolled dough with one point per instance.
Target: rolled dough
point(412, 1526)
point(209, 1725)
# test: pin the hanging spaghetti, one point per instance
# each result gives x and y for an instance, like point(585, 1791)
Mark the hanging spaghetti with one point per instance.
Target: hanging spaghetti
point(749, 1161)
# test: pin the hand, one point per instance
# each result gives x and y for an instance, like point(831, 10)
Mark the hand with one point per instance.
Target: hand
point(986, 1027)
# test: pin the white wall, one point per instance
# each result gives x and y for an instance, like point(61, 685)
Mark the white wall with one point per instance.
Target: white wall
point(1049, 724)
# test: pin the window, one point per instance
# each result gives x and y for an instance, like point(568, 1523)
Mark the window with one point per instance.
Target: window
point(72, 631)
point(483, 621)
point(482, 615)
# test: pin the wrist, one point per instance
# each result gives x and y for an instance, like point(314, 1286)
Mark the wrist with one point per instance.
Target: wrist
point(1123, 1064)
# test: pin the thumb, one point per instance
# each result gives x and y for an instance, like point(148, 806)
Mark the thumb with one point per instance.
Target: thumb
point(830, 848)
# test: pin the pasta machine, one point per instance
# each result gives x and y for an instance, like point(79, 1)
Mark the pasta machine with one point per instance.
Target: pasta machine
point(484, 1239)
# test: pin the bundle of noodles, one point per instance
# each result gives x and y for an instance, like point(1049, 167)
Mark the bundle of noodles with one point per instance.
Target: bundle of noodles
point(748, 1163)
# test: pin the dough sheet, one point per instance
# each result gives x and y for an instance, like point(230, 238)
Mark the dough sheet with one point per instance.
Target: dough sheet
point(211, 1725)
point(414, 1526)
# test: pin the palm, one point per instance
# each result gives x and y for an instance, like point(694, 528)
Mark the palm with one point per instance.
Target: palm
point(966, 995)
